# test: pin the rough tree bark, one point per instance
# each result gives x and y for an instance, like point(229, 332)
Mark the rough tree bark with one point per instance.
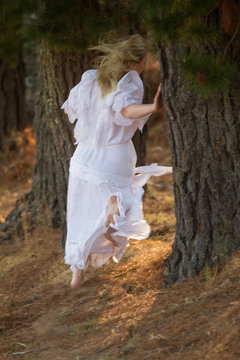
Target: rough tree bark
point(205, 142)
point(12, 101)
point(59, 72)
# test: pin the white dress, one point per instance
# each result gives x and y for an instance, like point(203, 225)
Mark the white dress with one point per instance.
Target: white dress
point(103, 165)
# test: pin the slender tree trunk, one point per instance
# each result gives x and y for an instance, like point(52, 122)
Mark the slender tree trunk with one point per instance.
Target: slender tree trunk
point(205, 142)
point(12, 101)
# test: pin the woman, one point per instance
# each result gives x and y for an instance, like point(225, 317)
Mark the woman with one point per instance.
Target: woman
point(104, 203)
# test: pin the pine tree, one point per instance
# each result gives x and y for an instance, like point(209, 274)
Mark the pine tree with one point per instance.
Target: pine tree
point(199, 50)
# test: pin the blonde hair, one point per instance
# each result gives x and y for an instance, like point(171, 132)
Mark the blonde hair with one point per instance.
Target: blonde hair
point(117, 58)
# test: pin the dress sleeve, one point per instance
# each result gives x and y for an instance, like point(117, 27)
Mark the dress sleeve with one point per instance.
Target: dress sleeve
point(129, 91)
point(79, 98)
point(70, 105)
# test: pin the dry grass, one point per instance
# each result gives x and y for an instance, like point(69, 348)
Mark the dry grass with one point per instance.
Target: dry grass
point(121, 311)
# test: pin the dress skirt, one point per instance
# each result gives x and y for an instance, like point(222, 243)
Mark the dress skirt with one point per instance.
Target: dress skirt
point(97, 173)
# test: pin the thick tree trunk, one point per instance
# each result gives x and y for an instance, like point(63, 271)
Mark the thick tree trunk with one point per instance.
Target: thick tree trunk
point(59, 72)
point(12, 101)
point(205, 141)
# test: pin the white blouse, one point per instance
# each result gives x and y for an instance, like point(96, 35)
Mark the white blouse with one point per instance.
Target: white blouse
point(100, 122)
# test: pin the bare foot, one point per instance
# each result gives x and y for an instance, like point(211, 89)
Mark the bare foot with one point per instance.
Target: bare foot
point(112, 210)
point(108, 235)
point(77, 278)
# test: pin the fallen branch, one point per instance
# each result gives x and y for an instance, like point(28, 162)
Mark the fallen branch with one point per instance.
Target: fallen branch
point(29, 351)
point(19, 343)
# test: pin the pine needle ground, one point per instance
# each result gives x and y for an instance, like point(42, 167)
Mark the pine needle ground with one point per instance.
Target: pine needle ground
point(121, 311)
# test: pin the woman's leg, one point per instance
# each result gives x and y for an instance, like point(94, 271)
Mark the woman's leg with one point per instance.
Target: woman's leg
point(112, 210)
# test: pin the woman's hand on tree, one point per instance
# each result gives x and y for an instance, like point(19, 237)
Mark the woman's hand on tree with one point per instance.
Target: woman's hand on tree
point(156, 100)
point(136, 111)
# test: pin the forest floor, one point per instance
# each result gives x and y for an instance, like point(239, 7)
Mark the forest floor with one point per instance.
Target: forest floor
point(121, 312)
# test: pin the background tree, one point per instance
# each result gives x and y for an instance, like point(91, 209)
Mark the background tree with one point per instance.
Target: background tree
point(65, 30)
point(12, 87)
point(199, 53)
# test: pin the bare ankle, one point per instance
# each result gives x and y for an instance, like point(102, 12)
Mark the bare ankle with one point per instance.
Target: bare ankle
point(112, 210)
point(77, 277)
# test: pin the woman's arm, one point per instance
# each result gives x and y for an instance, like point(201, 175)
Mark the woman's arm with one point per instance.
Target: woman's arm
point(135, 111)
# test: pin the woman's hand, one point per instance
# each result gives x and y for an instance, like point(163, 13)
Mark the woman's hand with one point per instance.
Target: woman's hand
point(136, 111)
point(156, 99)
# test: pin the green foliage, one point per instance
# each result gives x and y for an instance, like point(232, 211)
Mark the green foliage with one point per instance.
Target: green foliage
point(70, 25)
point(206, 74)
point(162, 28)
point(194, 31)
point(77, 24)
point(193, 24)
point(12, 28)
point(10, 32)
point(178, 20)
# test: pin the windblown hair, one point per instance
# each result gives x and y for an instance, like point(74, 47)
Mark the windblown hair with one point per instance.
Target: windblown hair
point(117, 58)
